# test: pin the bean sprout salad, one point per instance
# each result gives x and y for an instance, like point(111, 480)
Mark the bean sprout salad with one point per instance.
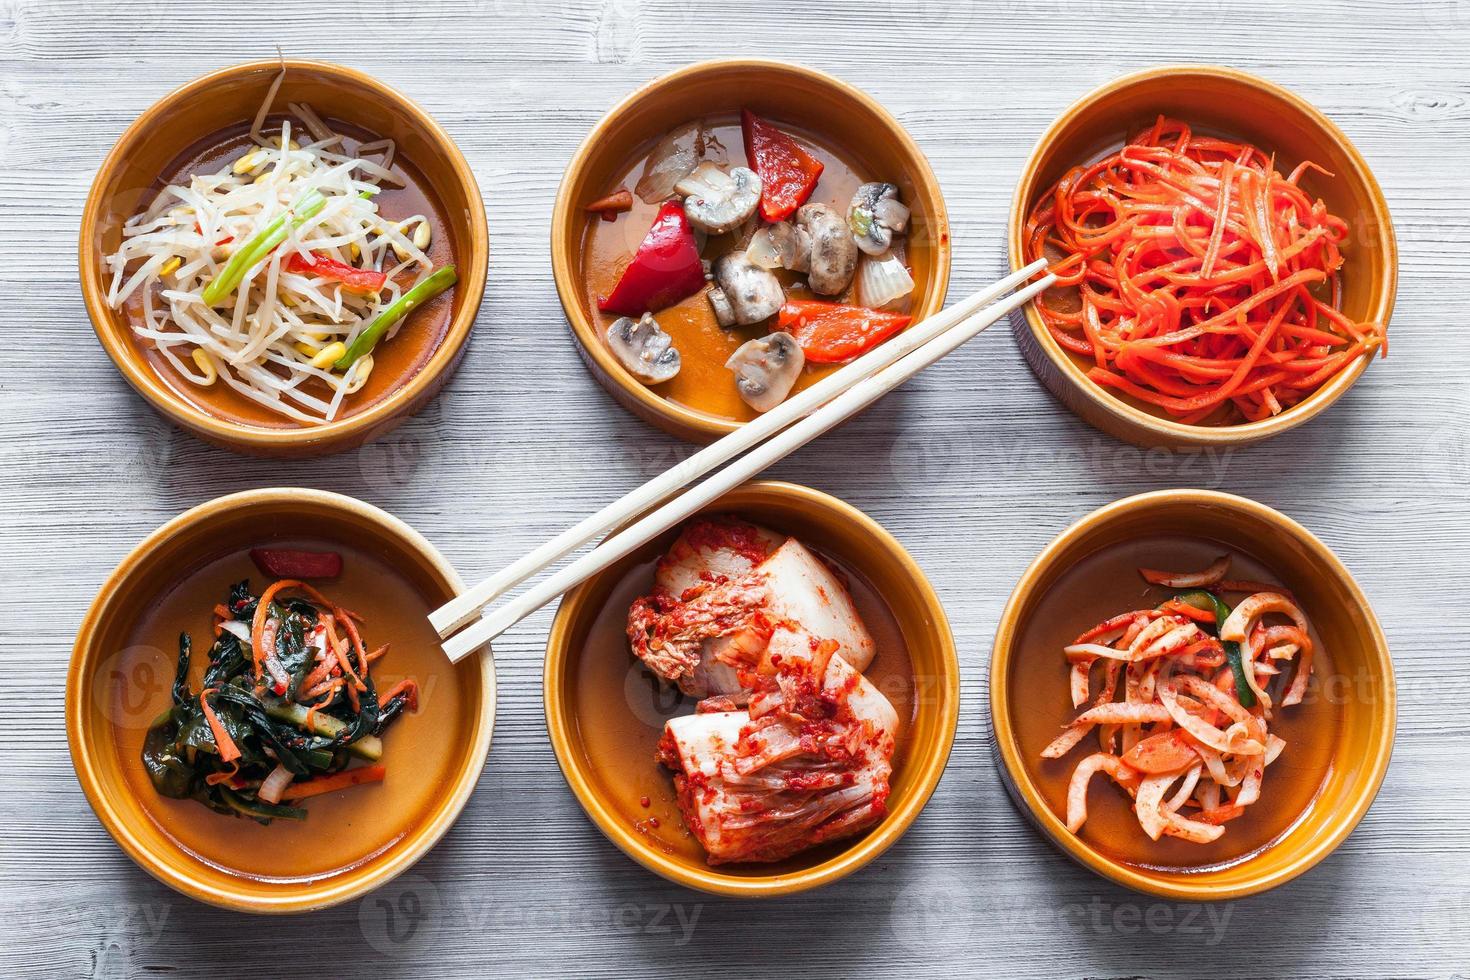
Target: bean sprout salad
point(278, 275)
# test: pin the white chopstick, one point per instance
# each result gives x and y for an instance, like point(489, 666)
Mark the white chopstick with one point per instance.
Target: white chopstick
point(461, 609)
point(850, 402)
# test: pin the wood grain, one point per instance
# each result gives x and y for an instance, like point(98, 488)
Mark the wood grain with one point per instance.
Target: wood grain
point(971, 465)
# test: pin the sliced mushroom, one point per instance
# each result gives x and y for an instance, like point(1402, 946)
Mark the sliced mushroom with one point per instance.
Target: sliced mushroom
point(781, 246)
point(766, 369)
point(644, 349)
point(744, 291)
point(876, 216)
point(717, 201)
point(720, 303)
point(834, 253)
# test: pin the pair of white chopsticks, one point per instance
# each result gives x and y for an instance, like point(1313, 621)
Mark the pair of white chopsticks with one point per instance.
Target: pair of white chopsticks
point(788, 427)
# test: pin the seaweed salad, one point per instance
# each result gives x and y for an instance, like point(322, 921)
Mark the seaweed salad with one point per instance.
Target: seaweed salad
point(287, 708)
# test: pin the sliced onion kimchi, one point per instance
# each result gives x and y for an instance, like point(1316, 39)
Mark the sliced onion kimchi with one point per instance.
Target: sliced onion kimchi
point(1183, 706)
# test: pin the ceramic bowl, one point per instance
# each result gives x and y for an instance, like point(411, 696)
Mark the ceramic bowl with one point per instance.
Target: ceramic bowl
point(191, 117)
point(1361, 682)
point(119, 679)
point(611, 782)
point(802, 96)
point(1237, 105)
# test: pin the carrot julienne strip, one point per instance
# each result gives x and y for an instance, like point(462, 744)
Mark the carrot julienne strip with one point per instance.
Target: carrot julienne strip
point(228, 750)
point(334, 782)
point(1191, 273)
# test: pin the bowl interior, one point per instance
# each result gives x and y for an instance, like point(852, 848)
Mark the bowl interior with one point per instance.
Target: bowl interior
point(1235, 105)
point(1353, 699)
point(815, 106)
point(605, 712)
point(195, 119)
point(124, 663)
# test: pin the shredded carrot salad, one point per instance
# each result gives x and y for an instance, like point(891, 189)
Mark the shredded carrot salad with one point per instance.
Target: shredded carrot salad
point(1187, 692)
point(1197, 278)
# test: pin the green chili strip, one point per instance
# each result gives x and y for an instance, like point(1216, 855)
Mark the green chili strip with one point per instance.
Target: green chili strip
point(441, 280)
point(252, 252)
point(369, 747)
point(1201, 599)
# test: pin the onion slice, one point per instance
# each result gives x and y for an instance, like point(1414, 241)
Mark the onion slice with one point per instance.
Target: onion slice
point(882, 281)
point(275, 784)
point(1082, 775)
point(673, 159)
point(1237, 627)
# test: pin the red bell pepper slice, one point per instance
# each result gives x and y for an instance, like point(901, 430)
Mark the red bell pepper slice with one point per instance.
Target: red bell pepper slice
point(665, 269)
point(787, 171)
point(282, 563)
point(364, 281)
point(830, 333)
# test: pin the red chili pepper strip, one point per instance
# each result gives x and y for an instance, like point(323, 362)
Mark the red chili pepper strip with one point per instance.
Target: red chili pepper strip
point(612, 205)
point(787, 171)
point(665, 269)
point(364, 281)
point(830, 333)
point(1194, 277)
point(289, 563)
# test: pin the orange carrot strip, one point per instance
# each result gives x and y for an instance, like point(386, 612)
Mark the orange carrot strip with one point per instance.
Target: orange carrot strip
point(228, 750)
point(406, 686)
point(337, 780)
point(1183, 266)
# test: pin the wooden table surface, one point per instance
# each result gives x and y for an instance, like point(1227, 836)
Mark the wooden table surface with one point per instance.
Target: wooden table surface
point(972, 466)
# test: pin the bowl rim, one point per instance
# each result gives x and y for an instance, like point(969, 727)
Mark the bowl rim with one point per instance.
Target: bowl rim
point(861, 851)
point(1168, 431)
point(252, 438)
point(565, 260)
point(1018, 780)
point(306, 895)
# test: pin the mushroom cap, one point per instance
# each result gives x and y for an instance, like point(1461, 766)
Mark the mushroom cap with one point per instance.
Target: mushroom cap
point(834, 254)
point(754, 294)
point(766, 369)
point(644, 348)
point(716, 201)
point(876, 215)
point(781, 246)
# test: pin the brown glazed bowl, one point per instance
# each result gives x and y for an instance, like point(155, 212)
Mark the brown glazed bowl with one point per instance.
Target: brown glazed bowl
point(609, 782)
point(1237, 105)
point(124, 659)
point(823, 104)
point(1362, 681)
point(197, 112)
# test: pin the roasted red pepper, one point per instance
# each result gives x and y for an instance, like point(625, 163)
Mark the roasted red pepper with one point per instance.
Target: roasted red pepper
point(665, 270)
point(787, 171)
point(282, 563)
point(830, 332)
point(357, 280)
